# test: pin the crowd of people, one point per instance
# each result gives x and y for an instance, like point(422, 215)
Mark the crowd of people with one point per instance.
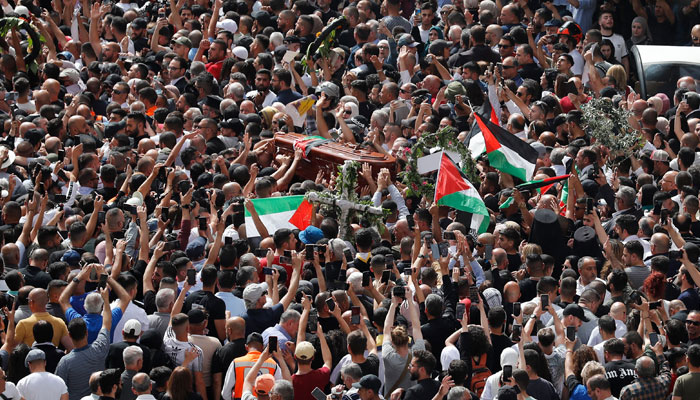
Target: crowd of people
point(138, 137)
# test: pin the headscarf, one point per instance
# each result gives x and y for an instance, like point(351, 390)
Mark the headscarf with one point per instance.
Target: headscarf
point(267, 113)
point(438, 30)
point(646, 36)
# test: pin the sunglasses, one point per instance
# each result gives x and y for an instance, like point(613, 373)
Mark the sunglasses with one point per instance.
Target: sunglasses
point(508, 66)
point(694, 323)
point(117, 91)
point(502, 46)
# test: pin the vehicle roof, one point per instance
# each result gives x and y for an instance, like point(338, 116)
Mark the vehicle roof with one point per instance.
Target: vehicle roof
point(669, 54)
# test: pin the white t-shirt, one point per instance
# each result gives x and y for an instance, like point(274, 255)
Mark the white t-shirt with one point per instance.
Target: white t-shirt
point(619, 45)
point(41, 386)
point(11, 392)
point(132, 312)
point(176, 349)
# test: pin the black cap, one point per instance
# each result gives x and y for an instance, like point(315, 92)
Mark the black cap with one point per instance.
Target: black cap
point(213, 101)
point(576, 311)
point(196, 316)
point(139, 23)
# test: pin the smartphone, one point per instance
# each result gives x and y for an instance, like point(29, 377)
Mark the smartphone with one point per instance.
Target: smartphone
point(389, 260)
point(411, 222)
point(664, 216)
point(238, 208)
point(30, 194)
point(507, 372)
point(287, 253)
point(202, 223)
point(657, 208)
point(444, 248)
point(654, 305)
point(570, 88)
point(272, 343)
point(653, 338)
point(435, 250)
point(448, 235)
point(61, 154)
point(516, 308)
point(571, 333)
point(589, 205)
point(318, 394)
point(183, 186)
point(499, 67)
point(313, 320)
point(342, 275)
point(267, 271)
point(309, 252)
point(172, 245)
point(260, 253)
point(366, 277)
point(348, 255)
point(386, 276)
point(354, 315)
point(101, 217)
point(460, 310)
point(517, 330)
point(228, 240)
point(103, 281)
point(164, 214)
point(285, 260)
point(161, 15)
point(93, 274)
point(488, 251)
point(474, 295)
point(331, 304)
point(675, 254)
point(191, 276)
point(544, 299)
point(399, 291)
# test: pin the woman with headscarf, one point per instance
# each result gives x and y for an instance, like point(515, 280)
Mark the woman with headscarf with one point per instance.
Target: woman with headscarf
point(640, 33)
point(434, 34)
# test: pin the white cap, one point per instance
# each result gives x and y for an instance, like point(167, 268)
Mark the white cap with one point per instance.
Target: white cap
point(22, 10)
point(240, 52)
point(228, 25)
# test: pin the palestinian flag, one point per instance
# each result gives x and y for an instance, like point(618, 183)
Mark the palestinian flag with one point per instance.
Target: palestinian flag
point(506, 152)
point(452, 189)
point(475, 140)
point(542, 184)
point(290, 212)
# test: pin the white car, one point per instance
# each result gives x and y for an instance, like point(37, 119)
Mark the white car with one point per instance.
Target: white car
point(659, 67)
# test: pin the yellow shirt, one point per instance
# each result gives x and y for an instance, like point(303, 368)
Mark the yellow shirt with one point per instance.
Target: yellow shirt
point(24, 330)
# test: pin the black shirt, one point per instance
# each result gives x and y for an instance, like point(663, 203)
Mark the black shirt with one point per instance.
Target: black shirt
point(329, 323)
point(620, 373)
point(53, 355)
point(424, 389)
point(499, 343)
point(224, 356)
point(115, 356)
point(216, 308)
point(370, 366)
point(514, 262)
point(34, 276)
point(528, 289)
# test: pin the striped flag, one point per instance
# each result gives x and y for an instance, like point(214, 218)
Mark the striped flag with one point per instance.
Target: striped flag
point(506, 152)
point(291, 212)
point(452, 189)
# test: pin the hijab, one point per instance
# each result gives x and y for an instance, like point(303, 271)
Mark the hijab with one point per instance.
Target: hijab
point(646, 36)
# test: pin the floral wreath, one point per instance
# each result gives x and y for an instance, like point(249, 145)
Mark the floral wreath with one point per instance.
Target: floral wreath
point(446, 139)
point(7, 23)
point(610, 127)
point(347, 182)
point(324, 42)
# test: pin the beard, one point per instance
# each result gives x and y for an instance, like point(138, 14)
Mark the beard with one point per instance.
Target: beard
point(414, 376)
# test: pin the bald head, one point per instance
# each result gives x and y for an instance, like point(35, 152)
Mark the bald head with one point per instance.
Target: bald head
point(660, 243)
point(53, 87)
point(10, 254)
point(235, 328)
point(618, 311)
point(645, 367)
point(38, 298)
point(511, 291)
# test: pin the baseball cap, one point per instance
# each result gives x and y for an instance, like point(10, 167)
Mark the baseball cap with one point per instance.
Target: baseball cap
point(407, 40)
point(576, 311)
point(311, 235)
point(369, 382)
point(66, 55)
point(553, 22)
point(659, 155)
point(227, 25)
point(195, 248)
point(492, 297)
point(253, 292)
point(139, 23)
point(71, 257)
point(183, 41)
point(304, 351)
point(240, 52)
point(34, 355)
point(132, 328)
point(264, 383)
point(196, 316)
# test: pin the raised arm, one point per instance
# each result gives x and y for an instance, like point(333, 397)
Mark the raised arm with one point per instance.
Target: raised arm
point(325, 350)
point(294, 282)
point(151, 267)
point(106, 310)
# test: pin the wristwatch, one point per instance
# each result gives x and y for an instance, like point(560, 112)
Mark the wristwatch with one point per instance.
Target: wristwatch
point(76, 281)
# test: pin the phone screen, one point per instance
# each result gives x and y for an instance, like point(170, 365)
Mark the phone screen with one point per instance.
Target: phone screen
point(354, 315)
point(318, 394)
point(331, 304)
point(348, 255)
point(386, 275)
point(571, 333)
point(191, 277)
point(272, 342)
point(411, 222)
point(103, 281)
point(461, 309)
point(309, 252)
point(653, 338)
point(507, 372)
point(313, 320)
point(517, 330)
point(545, 300)
point(516, 309)
point(202, 224)
point(366, 277)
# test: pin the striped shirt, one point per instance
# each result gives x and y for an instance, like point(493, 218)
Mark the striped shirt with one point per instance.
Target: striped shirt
point(76, 367)
point(176, 349)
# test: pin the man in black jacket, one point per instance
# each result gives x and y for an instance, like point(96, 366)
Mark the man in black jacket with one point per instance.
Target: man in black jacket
point(421, 369)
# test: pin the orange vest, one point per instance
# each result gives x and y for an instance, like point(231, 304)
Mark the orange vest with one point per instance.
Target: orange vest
point(243, 364)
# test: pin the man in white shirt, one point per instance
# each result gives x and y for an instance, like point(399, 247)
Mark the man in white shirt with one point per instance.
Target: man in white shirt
point(606, 21)
point(39, 384)
point(8, 389)
point(132, 310)
point(234, 305)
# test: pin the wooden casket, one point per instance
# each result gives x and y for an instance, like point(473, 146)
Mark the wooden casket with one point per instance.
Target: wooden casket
point(327, 157)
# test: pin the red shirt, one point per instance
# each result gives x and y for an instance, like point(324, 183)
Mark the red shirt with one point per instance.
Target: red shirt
point(275, 261)
point(305, 384)
point(214, 68)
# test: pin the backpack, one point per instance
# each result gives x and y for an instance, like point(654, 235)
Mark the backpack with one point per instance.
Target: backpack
point(479, 375)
